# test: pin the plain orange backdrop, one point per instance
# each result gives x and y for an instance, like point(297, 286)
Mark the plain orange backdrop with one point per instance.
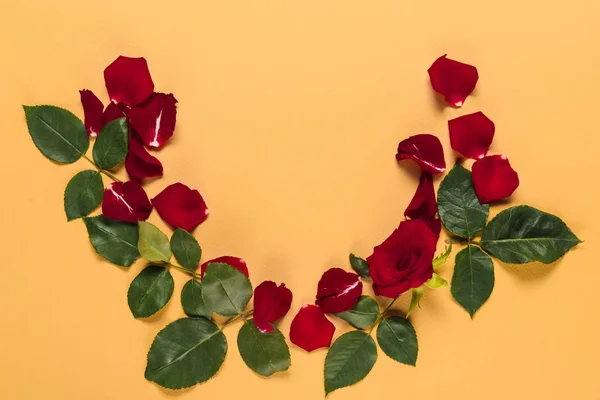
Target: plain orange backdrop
point(289, 116)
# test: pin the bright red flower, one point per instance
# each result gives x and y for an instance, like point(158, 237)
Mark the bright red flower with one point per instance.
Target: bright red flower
point(92, 111)
point(452, 79)
point(139, 163)
point(494, 178)
point(128, 81)
point(155, 119)
point(126, 202)
point(311, 329)
point(423, 205)
point(426, 150)
point(181, 207)
point(471, 135)
point(271, 303)
point(112, 112)
point(338, 290)
point(235, 262)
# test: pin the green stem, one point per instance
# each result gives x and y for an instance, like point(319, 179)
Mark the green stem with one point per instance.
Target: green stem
point(382, 314)
point(102, 171)
point(183, 269)
point(232, 320)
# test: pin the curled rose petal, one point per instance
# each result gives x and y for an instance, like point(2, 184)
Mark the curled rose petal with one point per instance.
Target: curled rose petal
point(338, 290)
point(494, 178)
point(423, 204)
point(111, 113)
point(434, 224)
point(92, 112)
point(311, 329)
point(139, 163)
point(155, 119)
point(426, 150)
point(452, 79)
point(271, 303)
point(126, 202)
point(471, 135)
point(180, 206)
point(128, 80)
point(235, 262)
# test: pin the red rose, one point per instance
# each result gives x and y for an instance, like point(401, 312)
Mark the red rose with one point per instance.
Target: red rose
point(404, 260)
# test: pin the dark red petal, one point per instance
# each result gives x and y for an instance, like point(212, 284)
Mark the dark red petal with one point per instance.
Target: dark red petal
point(126, 202)
point(139, 163)
point(471, 135)
point(338, 290)
point(155, 119)
point(181, 207)
point(426, 150)
point(435, 225)
point(111, 113)
point(423, 204)
point(452, 79)
point(92, 112)
point(128, 81)
point(235, 262)
point(494, 178)
point(311, 329)
point(271, 303)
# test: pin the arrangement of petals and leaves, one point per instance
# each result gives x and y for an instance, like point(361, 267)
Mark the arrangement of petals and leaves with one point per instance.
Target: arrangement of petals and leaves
point(138, 121)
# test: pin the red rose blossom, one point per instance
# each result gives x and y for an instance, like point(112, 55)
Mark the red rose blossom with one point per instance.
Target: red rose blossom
point(311, 329)
point(139, 163)
point(494, 178)
point(235, 262)
point(92, 112)
point(154, 120)
point(426, 150)
point(181, 207)
point(452, 79)
point(338, 290)
point(271, 303)
point(128, 81)
point(471, 135)
point(126, 202)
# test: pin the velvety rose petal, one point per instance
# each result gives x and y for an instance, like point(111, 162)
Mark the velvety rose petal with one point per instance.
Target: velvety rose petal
point(452, 79)
point(494, 178)
point(126, 202)
point(271, 303)
point(181, 207)
point(338, 290)
point(92, 112)
point(235, 262)
point(471, 135)
point(426, 150)
point(111, 113)
point(434, 224)
point(139, 163)
point(128, 81)
point(423, 204)
point(311, 329)
point(154, 120)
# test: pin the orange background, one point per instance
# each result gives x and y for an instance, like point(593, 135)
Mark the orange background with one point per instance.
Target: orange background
point(290, 113)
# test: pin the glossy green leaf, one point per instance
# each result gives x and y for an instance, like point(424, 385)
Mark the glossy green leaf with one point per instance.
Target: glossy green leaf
point(150, 291)
point(436, 282)
point(363, 314)
point(416, 295)
point(524, 234)
point(473, 278)
point(186, 249)
point(186, 352)
point(225, 290)
point(360, 266)
point(439, 260)
point(458, 205)
point(264, 353)
point(114, 240)
point(192, 302)
point(57, 133)
point(112, 144)
point(349, 360)
point(398, 339)
point(154, 245)
point(83, 194)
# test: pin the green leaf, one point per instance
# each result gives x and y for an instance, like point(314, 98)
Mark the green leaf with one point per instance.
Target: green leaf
point(398, 339)
point(458, 205)
point(436, 282)
point(186, 352)
point(186, 249)
point(524, 234)
point(114, 240)
point(439, 260)
point(264, 353)
point(349, 360)
point(360, 266)
point(112, 144)
point(225, 290)
point(363, 314)
point(153, 244)
point(57, 133)
point(192, 302)
point(150, 291)
point(473, 278)
point(83, 194)
point(417, 294)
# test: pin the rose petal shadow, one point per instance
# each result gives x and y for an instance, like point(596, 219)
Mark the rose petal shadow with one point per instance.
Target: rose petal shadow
point(530, 272)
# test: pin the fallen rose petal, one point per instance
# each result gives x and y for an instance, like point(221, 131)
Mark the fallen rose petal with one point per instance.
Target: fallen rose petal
point(424, 149)
point(338, 290)
point(139, 163)
point(155, 119)
point(311, 329)
point(271, 303)
point(452, 79)
point(423, 204)
point(471, 135)
point(181, 207)
point(128, 81)
point(92, 112)
point(235, 262)
point(434, 224)
point(111, 113)
point(494, 178)
point(126, 202)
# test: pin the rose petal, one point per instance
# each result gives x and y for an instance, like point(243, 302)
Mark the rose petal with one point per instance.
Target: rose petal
point(111, 113)
point(423, 204)
point(126, 202)
point(271, 303)
point(426, 150)
point(181, 207)
point(155, 119)
point(338, 290)
point(235, 262)
point(311, 329)
point(128, 80)
point(434, 224)
point(494, 178)
point(471, 135)
point(92, 112)
point(452, 79)
point(139, 163)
